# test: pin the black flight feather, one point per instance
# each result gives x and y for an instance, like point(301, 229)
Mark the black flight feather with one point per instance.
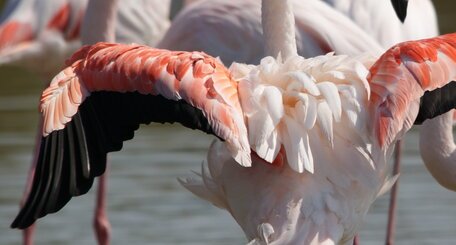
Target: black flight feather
point(69, 159)
point(436, 102)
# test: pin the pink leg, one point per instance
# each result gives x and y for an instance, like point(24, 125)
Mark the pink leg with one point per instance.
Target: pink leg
point(100, 221)
point(27, 234)
point(393, 196)
point(356, 240)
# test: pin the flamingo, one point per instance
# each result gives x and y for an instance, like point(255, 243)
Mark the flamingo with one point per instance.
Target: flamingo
point(101, 223)
point(370, 46)
point(274, 173)
point(58, 23)
point(40, 35)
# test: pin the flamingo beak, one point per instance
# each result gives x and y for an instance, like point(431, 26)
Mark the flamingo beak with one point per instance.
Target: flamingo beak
point(400, 7)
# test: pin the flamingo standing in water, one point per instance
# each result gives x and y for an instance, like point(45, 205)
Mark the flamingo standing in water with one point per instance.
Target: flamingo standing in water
point(305, 49)
point(298, 116)
point(38, 48)
point(33, 50)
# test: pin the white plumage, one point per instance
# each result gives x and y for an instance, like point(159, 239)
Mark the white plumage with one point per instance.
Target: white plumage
point(324, 144)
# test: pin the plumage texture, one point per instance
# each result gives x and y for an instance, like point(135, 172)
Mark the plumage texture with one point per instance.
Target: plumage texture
point(274, 203)
point(400, 78)
point(200, 80)
point(284, 101)
point(96, 103)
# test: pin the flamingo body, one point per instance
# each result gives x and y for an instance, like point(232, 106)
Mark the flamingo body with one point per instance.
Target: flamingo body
point(232, 30)
point(379, 20)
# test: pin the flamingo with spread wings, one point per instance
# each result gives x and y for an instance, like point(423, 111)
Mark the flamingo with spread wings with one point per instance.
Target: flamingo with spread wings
point(306, 141)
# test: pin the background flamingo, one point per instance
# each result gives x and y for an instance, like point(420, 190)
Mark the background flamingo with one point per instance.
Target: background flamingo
point(236, 144)
point(32, 31)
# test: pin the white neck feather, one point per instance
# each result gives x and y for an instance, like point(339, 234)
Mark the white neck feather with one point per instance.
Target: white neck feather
point(438, 149)
point(99, 22)
point(278, 28)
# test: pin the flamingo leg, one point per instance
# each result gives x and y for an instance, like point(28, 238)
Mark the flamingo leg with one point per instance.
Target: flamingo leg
point(27, 234)
point(100, 222)
point(356, 240)
point(393, 196)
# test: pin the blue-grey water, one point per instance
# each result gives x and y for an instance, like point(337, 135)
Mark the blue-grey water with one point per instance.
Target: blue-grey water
point(146, 205)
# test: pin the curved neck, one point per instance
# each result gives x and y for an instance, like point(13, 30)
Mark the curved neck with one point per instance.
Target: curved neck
point(438, 149)
point(99, 22)
point(278, 28)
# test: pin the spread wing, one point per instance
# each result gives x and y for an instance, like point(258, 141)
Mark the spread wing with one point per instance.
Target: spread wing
point(400, 80)
point(103, 96)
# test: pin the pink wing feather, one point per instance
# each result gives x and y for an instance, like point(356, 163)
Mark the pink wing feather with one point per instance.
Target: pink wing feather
point(402, 75)
point(98, 101)
point(195, 77)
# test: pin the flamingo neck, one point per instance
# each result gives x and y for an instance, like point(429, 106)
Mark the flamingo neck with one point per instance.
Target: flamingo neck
point(99, 22)
point(278, 28)
point(438, 149)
